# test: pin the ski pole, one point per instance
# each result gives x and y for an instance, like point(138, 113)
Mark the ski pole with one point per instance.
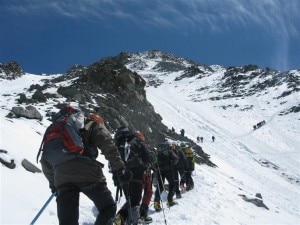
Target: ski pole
point(43, 208)
point(126, 190)
point(117, 193)
point(128, 199)
point(159, 191)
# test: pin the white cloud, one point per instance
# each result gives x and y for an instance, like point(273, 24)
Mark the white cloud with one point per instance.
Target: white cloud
point(274, 16)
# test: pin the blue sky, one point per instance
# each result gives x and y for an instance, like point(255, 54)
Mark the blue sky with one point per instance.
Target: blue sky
point(51, 36)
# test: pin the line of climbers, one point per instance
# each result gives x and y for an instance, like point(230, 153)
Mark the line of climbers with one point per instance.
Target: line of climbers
point(69, 150)
point(151, 167)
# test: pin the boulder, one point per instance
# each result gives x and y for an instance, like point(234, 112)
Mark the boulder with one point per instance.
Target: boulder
point(30, 112)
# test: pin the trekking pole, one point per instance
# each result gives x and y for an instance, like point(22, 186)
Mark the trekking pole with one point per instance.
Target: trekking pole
point(128, 201)
point(163, 187)
point(175, 185)
point(127, 151)
point(158, 188)
point(117, 194)
point(183, 181)
point(43, 208)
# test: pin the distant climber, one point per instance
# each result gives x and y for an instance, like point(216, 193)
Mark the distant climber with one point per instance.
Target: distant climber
point(258, 125)
point(213, 138)
point(182, 132)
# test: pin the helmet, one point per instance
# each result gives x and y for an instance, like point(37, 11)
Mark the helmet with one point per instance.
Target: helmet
point(97, 118)
point(163, 147)
point(124, 132)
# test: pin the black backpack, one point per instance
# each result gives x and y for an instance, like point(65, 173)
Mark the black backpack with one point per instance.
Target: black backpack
point(129, 146)
point(163, 156)
point(62, 140)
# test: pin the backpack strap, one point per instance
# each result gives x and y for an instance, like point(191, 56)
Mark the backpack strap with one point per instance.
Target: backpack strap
point(41, 146)
point(90, 129)
point(67, 115)
point(89, 148)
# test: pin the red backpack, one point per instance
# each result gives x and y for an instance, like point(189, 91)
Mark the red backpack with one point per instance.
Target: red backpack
point(62, 140)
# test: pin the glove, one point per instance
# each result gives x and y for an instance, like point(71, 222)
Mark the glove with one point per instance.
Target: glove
point(147, 167)
point(123, 176)
point(154, 169)
point(115, 179)
point(53, 189)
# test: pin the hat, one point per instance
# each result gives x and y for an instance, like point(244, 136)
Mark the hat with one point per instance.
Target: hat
point(97, 118)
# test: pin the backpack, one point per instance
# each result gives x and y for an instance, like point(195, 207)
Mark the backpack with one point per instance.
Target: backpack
point(90, 150)
point(129, 146)
point(62, 140)
point(189, 154)
point(153, 156)
point(163, 153)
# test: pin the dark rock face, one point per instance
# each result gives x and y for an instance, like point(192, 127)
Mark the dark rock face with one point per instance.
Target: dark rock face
point(10, 70)
point(237, 78)
point(119, 97)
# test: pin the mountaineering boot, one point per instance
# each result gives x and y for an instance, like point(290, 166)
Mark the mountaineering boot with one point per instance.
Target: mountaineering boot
point(133, 216)
point(189, 187)
point(157, 206)
point(148, 219)
point(119, 220)
point(178, 195)
point(145, 220)
point(170, 204)
point(183, 190)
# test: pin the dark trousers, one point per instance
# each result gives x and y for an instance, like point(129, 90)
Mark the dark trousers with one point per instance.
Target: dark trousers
point(133, 193)
point(188, 179)
point(182, 176)
point(176, 180)
point(68, 202)
point(165, 174)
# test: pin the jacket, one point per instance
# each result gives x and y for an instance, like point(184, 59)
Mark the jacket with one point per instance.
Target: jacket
point(166, 159)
